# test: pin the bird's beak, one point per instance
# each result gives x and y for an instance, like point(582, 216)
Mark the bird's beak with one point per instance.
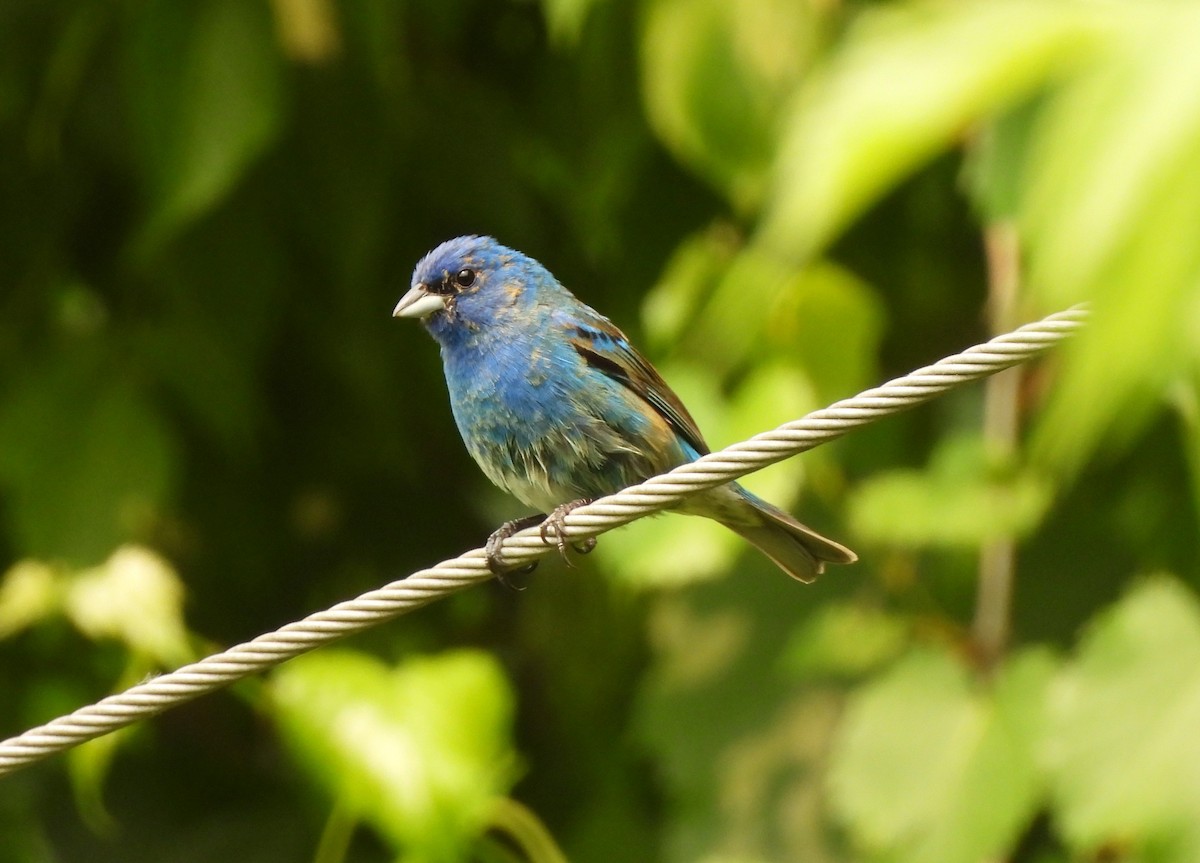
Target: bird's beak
point(418, 303)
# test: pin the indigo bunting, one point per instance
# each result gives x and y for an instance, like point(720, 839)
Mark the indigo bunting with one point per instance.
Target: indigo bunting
point(558, 408)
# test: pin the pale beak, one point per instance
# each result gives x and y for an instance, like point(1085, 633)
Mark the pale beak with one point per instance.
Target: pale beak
point(418, 303)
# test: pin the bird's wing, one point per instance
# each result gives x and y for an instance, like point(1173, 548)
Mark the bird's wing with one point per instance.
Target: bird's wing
point(606, 349)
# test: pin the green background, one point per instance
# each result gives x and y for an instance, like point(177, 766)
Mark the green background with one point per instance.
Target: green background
point(210, 425)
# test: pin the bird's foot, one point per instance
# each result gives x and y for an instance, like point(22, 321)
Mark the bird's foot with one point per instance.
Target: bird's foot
point(495, 558)
point(554, 522)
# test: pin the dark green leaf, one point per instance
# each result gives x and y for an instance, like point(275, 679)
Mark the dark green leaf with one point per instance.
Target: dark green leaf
point(87, 463)
point(205, 82)
point(714, 77)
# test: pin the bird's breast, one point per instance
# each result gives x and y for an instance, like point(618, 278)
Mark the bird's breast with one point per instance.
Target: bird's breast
point(547, 428)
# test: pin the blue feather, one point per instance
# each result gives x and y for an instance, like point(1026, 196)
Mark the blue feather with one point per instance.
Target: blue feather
point(555, 404)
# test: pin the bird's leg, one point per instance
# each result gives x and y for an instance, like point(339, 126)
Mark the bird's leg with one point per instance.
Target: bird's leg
point(554, 522)
point(495, 560)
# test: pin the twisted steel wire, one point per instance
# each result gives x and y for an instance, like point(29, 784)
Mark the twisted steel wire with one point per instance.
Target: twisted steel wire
point(424, 586)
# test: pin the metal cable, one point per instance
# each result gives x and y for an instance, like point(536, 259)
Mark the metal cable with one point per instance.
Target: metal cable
point(423, 587)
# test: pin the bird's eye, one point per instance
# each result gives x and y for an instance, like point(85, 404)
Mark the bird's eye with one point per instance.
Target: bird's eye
point(464, 278)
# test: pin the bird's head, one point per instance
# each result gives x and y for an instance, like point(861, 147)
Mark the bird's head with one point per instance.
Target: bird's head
point(473, 283)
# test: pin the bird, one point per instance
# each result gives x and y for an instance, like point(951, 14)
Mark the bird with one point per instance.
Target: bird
point(558, 408)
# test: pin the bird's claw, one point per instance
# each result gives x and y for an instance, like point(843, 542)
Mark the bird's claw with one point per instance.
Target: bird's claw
point(495, 556)
point(551, 523)
point(555, 523)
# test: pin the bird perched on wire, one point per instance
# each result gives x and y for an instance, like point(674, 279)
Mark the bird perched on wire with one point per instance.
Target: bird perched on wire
point(558, 408)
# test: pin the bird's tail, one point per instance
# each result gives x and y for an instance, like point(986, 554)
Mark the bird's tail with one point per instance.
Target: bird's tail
point(799, 551)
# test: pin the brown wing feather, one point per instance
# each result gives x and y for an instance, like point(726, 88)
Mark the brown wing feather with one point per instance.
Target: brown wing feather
point(605, 348)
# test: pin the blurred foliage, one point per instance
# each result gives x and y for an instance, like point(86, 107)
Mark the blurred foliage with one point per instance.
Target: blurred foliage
point(210, 425)
point(420, 752)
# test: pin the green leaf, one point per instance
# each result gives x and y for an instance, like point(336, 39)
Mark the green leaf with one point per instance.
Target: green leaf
point(728, 305)
point(907, 82)
point(934, 767)
point(308, 29)
point(90, 764)
point(961, 500)
point(135, 597)
point(995, 165)
point(204, 81)
point(565, 19)
point(209, 378)
point(420, 751)
point(714, 76)
point(675, 550)
point(1112, 202)
point(30, 592)
point(690, 276)
point(772, 394)
point(845, 640)
point(832, 323)
point(738, 747)
point(1122, 750)
point(816, 315)
point(86, 461)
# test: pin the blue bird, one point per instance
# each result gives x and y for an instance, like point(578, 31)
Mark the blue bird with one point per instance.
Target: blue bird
point(558, 408)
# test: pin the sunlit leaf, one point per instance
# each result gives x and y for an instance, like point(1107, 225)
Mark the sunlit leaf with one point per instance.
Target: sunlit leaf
point(933, 767)
point(135, 597)
point(1123, 754)
point(732, 325)
point(29, 593)
point(1113, 195)
point(419, 751)
point(906, 83)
